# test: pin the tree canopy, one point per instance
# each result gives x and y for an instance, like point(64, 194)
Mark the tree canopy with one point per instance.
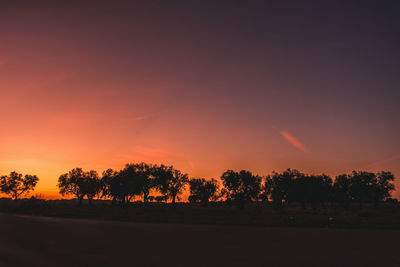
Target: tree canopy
point(170, 182)
point(203, 191)
point(16, 185)
point(241, 187)
point(80, 184)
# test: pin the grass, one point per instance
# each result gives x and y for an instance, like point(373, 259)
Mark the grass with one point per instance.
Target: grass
point(258, 214)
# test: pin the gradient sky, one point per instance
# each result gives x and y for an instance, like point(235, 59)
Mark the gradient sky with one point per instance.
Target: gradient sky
point(203, 85)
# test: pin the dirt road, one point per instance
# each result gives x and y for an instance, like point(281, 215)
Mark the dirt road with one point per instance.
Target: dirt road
point(40, 241)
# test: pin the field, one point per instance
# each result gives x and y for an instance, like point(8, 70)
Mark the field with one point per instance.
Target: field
point(387, 216)
point(44, 241)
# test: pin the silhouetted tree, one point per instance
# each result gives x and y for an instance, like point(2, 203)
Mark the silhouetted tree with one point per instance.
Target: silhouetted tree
point(280, 185)
point(146, 179)
point(92, 185)
point(134, 180)
point(299, 188)
point(241, 187)
point(363, 187)
point(80, 184)
point(326, 188)
point(106, 184)
point(342, 190)
point(170, 182)
point(385, 186)
point(310, 189)
point(16, 185)
point(320, 188)
point(202, 190)
point(126, 185)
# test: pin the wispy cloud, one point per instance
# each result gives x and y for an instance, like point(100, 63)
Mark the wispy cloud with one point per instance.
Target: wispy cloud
point(382, 162)
point(293, 141)
point(140, 118)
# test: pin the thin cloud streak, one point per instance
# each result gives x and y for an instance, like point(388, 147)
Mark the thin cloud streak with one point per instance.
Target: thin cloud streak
point(141, 118)
point(381, 162)
point(293, 141)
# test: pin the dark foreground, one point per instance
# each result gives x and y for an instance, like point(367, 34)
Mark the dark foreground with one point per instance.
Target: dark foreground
point(45, 241)
point(255, 214)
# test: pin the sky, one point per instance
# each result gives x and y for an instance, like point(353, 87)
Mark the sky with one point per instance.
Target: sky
point(203, 85)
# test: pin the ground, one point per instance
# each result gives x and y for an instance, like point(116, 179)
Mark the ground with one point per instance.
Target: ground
point(45, 241)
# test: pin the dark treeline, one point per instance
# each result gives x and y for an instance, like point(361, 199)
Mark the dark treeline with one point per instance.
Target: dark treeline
point(162, 183)
point(316, 190)
point(135, 180)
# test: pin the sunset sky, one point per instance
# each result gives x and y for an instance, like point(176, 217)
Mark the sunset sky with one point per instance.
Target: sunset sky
point(204, 85)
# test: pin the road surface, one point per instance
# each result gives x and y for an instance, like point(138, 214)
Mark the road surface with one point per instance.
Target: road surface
point(41, 241)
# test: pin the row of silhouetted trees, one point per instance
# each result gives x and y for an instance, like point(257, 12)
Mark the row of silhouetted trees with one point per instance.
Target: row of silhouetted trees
point(135, 180)
point(165, 183)
point(315, 190)
point(238, 188)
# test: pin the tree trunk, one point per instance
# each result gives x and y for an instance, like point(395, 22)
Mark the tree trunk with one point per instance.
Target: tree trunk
point(173, 201)
point(145, 200)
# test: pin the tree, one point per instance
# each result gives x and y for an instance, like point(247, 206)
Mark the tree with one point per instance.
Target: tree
point(107, 183)
point(146, 179)
point(310, 189)
point(363, 187)
point(241, 187)
point(280, 185)
point(17, 185)
point(80, 184)
point(325, 188)
point(299, 188)
point(170, 182)
point(136, 179)
point(92, 185)
point(319, 189)
point(124, 186)
point(342, 190)
point(202, 190)
point(385, 186)
point(117, 185)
